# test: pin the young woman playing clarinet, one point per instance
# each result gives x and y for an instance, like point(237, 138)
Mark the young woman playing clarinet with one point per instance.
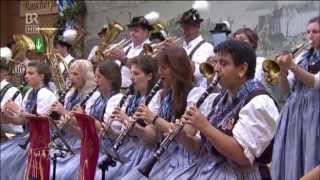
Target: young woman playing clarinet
point(37, 100)
point(178, 91)
point(81, 93)
point(141, 139)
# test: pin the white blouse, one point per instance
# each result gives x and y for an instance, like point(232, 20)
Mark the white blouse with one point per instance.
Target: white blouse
point(89, 102)
point(45, 99)
point(256, 126)
point(7, 96)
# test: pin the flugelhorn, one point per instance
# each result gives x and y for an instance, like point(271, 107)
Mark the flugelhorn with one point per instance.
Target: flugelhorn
point(272, 69)
point(146, 168)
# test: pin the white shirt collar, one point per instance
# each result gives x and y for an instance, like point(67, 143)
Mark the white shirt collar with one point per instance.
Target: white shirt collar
point(68, 58)
point(3, 83)
point(193, 42)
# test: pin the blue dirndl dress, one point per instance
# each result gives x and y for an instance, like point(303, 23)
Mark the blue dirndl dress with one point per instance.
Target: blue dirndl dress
point(13, 158)
point(297, 143)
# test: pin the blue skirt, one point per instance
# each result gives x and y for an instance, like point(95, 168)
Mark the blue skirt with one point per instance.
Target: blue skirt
point(214, 166)
point(13, 159)
point(297, 142)
point(67, 168)
point(133, 150)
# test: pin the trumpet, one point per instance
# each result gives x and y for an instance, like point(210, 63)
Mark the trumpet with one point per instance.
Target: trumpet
point(146, 168)
point(272, 69)
point(153, 48)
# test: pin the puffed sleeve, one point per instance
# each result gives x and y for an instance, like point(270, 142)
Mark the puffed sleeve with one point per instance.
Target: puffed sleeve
point(112, 103)
point(44, 100)
point(256, 126)
point(154, 104)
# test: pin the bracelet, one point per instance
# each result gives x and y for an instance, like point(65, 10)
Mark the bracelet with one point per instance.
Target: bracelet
point(154, 119)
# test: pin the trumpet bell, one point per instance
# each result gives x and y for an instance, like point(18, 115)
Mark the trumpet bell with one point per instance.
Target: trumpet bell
point(207, 70)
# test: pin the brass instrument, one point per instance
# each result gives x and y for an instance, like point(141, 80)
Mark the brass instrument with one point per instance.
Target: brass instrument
point(54, 59)
point(153, 48)
point(272, 69)
point(121, 44)
point(207, 70)
point(16, 67)
point(147, 166)
point(109, 37)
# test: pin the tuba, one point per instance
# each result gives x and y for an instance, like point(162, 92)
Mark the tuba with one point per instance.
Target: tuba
point(271, 67)
point(16, 68)
point(114, 30)
point(54, 59)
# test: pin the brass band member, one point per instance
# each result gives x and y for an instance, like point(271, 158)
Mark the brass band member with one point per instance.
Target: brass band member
point(139, 29)
point(297, 142)
point(242, 121)
point(100, 34)
point(36, 101)
point(196, 47)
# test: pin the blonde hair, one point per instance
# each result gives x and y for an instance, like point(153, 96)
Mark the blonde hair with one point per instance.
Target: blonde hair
point(85, 68)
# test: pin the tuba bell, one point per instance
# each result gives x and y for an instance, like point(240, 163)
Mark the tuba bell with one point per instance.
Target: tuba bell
point(110, 36)
point(16, 67)
point(271, 67)
point(54, 59)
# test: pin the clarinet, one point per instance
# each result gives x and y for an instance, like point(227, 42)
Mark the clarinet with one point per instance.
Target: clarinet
point(88, 96)
point(55, 115)
point(121, 102)
point(58, 132)
point(146, 168)
point(124, 133)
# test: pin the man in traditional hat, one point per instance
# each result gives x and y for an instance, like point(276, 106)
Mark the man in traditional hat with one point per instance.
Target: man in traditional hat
point(100, 34)
point(63, 47)
point(139, 29)
point(220, 32)
point(196, 47)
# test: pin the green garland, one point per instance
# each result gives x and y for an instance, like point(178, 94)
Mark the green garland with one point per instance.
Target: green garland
point(72, 13)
